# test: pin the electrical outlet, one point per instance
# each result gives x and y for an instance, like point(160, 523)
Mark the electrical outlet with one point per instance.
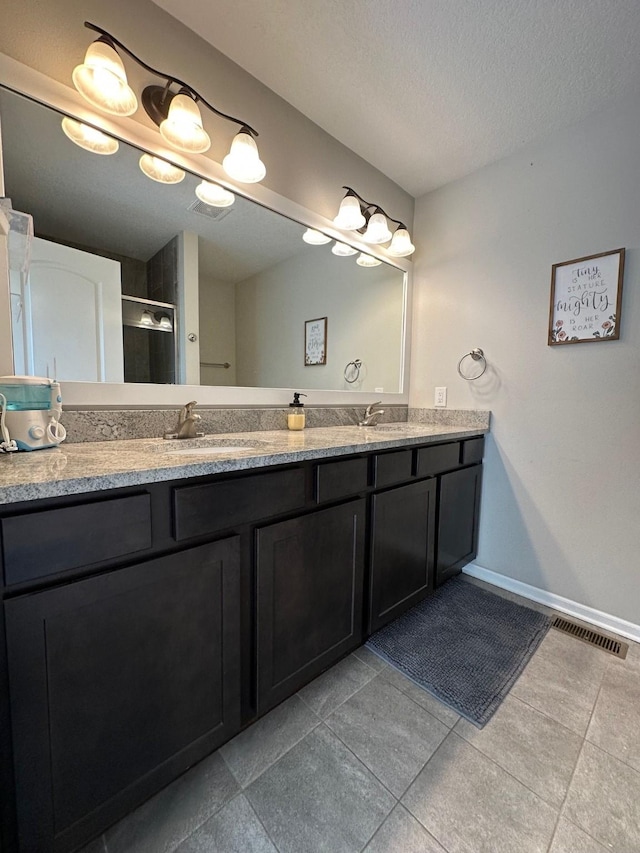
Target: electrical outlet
point(379, 390)
point(440, 397)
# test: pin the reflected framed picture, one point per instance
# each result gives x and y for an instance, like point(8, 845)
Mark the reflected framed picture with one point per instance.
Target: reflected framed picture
point(586, 299)
point(315, 341)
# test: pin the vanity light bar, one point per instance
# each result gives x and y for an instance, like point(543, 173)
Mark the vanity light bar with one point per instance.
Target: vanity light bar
point(101, 79)
point(367, 217)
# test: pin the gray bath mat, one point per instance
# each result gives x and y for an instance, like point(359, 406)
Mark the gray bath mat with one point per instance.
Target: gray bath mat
point(463, 645)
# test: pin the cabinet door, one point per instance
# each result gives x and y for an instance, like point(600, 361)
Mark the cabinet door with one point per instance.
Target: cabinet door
point(118, 684)
point(402, 541)
point(458, 518)
point(309, 597)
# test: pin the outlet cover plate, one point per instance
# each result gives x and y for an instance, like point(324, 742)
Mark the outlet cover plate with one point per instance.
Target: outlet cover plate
point(440, 398)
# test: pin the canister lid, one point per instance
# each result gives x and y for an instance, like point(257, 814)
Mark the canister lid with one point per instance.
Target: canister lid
point(25, 380)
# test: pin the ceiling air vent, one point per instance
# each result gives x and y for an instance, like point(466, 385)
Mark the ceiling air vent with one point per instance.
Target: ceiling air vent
point(215, 213)
point(594, 638)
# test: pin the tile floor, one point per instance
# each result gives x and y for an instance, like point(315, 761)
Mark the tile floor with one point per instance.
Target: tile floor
point(363, 760)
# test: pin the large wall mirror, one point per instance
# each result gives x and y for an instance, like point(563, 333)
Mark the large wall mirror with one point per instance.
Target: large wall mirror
point(135, 281)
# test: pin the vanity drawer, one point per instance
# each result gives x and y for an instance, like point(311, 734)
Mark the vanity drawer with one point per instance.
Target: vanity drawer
point(472, 450)
point(335, 480)
point(391, 468)
point(199, 510)
point(38, 544)
point(437, 458)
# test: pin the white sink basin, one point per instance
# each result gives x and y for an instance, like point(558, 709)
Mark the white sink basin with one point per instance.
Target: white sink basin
point(399, 427)
point(206, 446)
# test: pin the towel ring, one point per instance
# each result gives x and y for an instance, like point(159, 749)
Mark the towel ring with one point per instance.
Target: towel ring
point(476, 355)
point(352, 371)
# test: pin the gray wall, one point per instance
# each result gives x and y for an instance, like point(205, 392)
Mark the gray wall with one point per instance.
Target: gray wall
point(217, 331)
point(561, 497)
point(364, 320)
point(303, 162)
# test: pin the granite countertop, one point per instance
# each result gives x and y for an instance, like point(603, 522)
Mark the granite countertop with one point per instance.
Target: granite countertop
point(94, 466)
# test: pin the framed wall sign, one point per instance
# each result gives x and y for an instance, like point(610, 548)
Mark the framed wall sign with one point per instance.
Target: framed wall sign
point(315, 341)
point(586, 297)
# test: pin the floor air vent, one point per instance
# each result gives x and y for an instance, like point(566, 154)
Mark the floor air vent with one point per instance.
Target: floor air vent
point(588, 635)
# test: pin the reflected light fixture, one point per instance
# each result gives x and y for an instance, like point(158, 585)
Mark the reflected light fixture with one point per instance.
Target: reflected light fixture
point(214, 195)
point(155, 320)
point(102, 80)
point(163, 320)
point(161, 171)
point(342, 250)
point(357, 214)
point(315, 238)
point(88, 137)
point(367, 260)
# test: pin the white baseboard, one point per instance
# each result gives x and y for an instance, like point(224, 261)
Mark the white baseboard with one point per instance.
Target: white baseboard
point(565, 605)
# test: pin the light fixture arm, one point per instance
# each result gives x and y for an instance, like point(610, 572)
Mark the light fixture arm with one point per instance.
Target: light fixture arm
point(106, 36)
point(370, 207)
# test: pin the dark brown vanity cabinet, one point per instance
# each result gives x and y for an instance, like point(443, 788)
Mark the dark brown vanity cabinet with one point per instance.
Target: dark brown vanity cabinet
point(425, 531)
point(402, 550)
point(458, 520)
point(144, 627)
point(309, 578)
point(119, 683)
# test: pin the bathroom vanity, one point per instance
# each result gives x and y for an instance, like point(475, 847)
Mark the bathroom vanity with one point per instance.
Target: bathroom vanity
point(155, 603)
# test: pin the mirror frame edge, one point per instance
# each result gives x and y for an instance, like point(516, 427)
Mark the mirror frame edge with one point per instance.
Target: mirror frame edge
point(26, 81)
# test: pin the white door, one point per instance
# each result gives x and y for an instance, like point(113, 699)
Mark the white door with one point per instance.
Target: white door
point(73, 310)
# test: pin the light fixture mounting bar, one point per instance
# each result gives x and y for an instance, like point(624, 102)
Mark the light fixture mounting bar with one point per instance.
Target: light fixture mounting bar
point(170, 79)
point(371, 205)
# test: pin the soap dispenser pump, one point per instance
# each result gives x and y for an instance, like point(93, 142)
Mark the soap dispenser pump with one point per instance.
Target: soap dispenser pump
point(296, 417)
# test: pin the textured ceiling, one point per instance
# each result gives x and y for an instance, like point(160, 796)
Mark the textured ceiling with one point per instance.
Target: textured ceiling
point(431, 90)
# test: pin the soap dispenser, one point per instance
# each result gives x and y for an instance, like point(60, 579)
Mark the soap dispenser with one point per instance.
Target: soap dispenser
point(296, 418)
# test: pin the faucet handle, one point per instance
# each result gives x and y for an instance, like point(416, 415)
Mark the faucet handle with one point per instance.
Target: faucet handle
point(370, 408)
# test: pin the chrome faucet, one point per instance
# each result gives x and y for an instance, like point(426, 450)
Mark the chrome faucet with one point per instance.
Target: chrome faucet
point(370, 414)
point(186, 427)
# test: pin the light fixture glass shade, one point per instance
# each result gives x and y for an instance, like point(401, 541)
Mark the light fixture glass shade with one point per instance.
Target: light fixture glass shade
point(315, 238)
point(214, 195)
point(159, 170)
point(88, 137)
point(145, 318)
point(182, 127)
point(102, 81)
point(377, 230)
point(342, 250)
point(401, 245)
point(243, 162)
point(367, 261)
point(350, 215)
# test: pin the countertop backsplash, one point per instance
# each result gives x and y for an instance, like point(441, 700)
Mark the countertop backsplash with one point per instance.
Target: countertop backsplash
point(114, 424)
point(121, 424)
point(479, 418)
